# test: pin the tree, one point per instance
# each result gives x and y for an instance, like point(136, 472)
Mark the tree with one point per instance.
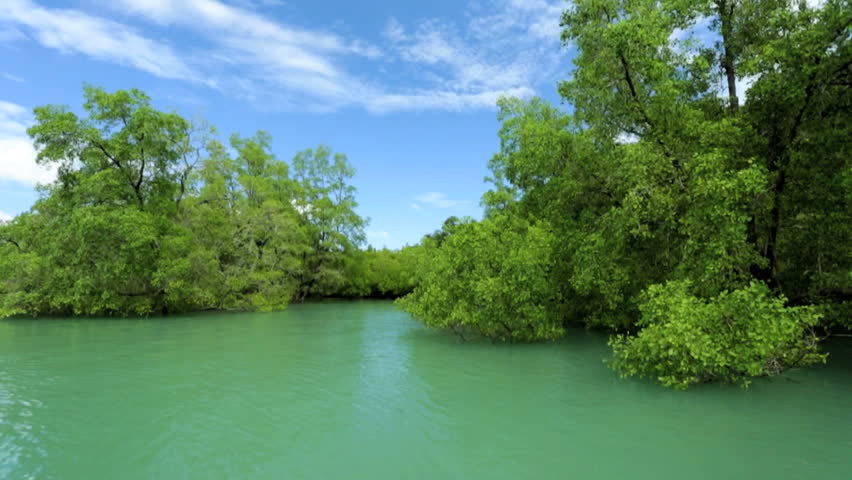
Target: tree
point(740, 334)
point(151, 214)
point(709, 233)
point(491, 279)
point(326, 204)
point(92, 243)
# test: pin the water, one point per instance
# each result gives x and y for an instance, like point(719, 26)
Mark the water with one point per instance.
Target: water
point(360, 391)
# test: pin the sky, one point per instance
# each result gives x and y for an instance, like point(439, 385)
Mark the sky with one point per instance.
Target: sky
point(406, 89)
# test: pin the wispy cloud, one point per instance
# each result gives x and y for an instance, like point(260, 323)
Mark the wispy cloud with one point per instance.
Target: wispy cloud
point(439, 200)
point(504, 47)
point(4, 217)
point(538, 18)
point(261, 59)
point(72, 31)
point(9, 76)
point(16, 150)
point(204, 15)
point(416, 206)
point(258, 4)
point(510, 50)
point(440, 100)
point(10, 34)
point(434, 44)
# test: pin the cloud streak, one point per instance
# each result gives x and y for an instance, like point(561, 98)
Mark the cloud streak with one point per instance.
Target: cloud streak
point(72, 31)
point(17, 155)
point(439, 200)
point(10, 77)
point(508, 52)
point(506, 47)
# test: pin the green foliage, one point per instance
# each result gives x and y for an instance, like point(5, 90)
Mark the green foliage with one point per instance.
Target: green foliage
point(685, 215)
point(90, 261)
point(151, 214)
point(385, 273)
point(490, 278)
point(326, 205)
point(736, 335)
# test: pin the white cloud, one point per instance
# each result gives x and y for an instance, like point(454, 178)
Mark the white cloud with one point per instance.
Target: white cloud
point(440, 100)
point(72, 31)
point(5, 217)
point(262, 59)
point(625, 138)
point(435, 45)
point(506, 47)
point(235, 22)
point(514, 47)
point(439, 200)
point(541, 17)
point(9, 76)
point(17, 155)
point(416, 207)
point(297, 68)
point(258, 4)
point(10, 34)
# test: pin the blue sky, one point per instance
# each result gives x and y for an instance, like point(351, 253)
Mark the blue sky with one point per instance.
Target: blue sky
point(405, 88)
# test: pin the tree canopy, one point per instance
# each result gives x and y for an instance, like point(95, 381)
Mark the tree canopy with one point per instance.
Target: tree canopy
point(709, 228)
point(151, 213)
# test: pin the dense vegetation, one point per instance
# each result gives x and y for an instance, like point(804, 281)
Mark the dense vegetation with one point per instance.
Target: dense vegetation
point(709, 230)
point(713, 236)
point(151, 213)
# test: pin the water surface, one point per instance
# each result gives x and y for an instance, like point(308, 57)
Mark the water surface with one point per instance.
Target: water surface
point(360, 391)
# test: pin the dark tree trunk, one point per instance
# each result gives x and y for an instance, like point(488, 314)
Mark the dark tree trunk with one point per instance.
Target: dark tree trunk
point(726, 18)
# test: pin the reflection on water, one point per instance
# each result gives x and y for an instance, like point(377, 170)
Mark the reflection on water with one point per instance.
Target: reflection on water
point(358, 390)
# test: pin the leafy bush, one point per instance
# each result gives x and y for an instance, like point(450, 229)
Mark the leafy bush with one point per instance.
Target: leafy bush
point(737, 335)
point(491, 278)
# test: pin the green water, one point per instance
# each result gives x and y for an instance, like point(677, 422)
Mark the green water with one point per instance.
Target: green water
point(360, 391)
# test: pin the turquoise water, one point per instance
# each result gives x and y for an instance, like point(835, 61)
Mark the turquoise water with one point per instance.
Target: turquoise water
point(359, 390)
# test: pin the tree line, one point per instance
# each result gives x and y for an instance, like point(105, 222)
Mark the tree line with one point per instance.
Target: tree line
point(151, 213)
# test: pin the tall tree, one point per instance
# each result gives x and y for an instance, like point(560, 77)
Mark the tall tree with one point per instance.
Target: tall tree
point(326, 202)
point(93, 241)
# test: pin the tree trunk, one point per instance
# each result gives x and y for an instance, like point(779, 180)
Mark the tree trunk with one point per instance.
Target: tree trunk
point(775, 223)
point(726, 16)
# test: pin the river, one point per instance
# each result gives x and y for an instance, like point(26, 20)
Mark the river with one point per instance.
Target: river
point(359, 390)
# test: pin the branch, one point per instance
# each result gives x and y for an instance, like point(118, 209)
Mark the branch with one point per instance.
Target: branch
point(110, 157)
point(9, 240)
point(138, 185)
point(809, 93)
point(635, 97)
